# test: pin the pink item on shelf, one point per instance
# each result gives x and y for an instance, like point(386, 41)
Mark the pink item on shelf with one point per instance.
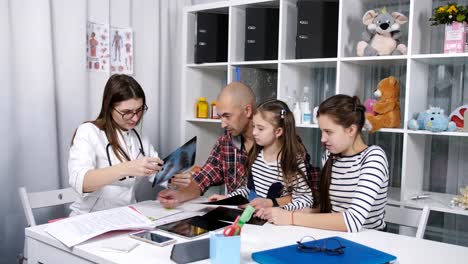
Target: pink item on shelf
point(455, 38)
point(369, 103)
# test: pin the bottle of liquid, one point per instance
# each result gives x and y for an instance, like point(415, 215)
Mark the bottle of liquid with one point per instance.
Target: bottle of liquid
point(306, 114)
point(214, 113)
point(297, 114)
point(290, 100)
point(305, 107)
point(202, 108)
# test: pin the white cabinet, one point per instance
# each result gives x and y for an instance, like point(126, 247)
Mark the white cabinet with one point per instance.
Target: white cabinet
point(421, 161)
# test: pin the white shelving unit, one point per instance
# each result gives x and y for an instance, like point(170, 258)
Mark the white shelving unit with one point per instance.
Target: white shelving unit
point(416, 158)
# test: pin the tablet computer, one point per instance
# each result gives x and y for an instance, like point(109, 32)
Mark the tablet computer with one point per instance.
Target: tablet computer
point(193, 227)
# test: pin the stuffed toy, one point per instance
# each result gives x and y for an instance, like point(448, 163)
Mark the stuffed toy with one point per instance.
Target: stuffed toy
point(387, 108)
point(382, 35)
point(433, 119)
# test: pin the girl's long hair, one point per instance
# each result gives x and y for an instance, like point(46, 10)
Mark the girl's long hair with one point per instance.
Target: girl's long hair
point(119, 88)
point(292, 151)
point(345, 111)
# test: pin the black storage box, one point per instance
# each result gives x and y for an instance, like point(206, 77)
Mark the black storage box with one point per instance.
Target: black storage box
point(261, 33)
point(212, 37)
point(317, 29)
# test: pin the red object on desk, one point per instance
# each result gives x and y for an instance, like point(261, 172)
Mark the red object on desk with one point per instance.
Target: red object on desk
point(234, 229)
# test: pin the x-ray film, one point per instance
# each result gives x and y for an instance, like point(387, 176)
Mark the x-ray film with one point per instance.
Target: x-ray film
point(178, 161)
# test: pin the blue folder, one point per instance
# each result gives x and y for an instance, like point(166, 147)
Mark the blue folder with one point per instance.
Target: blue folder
point(353, 253)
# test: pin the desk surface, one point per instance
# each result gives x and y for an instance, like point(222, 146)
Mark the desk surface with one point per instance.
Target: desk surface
point(256, 238)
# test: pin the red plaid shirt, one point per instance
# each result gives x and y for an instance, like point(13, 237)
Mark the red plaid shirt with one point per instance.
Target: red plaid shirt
point(224, 165)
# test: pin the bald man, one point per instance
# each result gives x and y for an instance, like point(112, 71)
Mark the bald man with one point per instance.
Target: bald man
point(225, 165)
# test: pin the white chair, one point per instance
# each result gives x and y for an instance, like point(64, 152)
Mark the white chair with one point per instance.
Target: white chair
point(408, 217)
point(34, 200)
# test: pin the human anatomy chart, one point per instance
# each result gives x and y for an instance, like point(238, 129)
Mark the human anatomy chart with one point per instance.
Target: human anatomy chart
point(109, 49)
point(97, 47)
point(121, 44)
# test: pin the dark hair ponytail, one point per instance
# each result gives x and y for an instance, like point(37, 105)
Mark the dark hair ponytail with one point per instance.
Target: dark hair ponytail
point(292, 151)
point(345, 111)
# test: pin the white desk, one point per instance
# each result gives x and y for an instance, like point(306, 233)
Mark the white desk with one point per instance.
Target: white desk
point(45, 249)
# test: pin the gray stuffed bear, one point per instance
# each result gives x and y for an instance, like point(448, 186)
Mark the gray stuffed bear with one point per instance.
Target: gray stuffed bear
point(382, 34)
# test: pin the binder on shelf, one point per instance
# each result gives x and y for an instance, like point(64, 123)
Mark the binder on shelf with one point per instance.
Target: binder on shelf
point(212, 37)
point(353, 253)
point(261, 33)
point(317, 29)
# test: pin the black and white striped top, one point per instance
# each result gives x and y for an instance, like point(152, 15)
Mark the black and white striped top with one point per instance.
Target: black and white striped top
point(358, 188)
point(267, 173)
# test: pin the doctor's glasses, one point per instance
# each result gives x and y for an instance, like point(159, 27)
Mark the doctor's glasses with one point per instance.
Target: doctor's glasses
point(129, 114)
point(329, 246)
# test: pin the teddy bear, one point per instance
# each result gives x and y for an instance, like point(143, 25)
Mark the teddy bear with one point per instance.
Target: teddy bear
point(382, 35)
point(433, 119)
point(387, 108)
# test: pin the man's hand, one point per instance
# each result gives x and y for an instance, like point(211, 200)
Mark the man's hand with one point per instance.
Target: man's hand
point(182, 180)
point(216, 197)
point(169, 198)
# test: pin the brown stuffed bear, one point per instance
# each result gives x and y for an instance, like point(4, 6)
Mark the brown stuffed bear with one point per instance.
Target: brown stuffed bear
point(387, 108)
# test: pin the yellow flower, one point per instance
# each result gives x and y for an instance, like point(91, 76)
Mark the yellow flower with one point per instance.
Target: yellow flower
point(452, 10)
point(441, 9)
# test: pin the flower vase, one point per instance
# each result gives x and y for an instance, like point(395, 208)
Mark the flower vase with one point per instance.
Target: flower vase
point(455, 38)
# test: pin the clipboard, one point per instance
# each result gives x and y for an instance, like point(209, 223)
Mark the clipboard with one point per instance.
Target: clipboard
point(353, 253)
point(180, 160)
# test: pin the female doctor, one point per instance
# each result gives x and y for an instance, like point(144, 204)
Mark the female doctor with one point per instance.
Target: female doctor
point(107, 155)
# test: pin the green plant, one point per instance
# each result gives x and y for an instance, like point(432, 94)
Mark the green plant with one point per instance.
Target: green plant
point(449, 13)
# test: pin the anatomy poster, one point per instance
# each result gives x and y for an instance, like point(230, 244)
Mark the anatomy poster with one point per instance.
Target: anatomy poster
point(121, 49)
point(97, 47)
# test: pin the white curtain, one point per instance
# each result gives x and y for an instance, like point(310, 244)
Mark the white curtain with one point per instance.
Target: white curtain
point(46, 91)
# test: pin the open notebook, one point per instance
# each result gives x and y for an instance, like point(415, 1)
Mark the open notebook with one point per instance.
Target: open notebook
point(76, 229)
point(353, 253)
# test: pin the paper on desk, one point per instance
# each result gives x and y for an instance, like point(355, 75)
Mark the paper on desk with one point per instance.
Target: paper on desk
point(74, 230)
point(154, 211)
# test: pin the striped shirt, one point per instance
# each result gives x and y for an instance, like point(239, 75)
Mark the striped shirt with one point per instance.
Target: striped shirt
point(267, 173)
point(359, 188)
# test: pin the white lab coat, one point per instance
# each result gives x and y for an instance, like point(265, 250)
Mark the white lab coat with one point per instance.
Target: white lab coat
point(88, 152)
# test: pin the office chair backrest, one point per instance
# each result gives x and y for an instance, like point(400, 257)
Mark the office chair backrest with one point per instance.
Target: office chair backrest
point(411, 217)
point(35, 200)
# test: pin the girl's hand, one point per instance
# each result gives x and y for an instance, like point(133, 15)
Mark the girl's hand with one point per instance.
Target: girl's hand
point(275, 215)
point(216, 197)
point(258, 203)
point(143, 167)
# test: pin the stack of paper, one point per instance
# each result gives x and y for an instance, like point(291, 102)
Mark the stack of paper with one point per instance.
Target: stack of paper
point(74, 230)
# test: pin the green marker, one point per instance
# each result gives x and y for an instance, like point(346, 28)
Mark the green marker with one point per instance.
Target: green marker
point(246, 215)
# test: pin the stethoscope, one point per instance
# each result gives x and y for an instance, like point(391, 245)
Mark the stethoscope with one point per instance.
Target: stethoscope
point(142, 151)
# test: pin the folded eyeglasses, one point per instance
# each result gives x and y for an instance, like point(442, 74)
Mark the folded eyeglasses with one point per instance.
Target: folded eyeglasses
point(329, 246)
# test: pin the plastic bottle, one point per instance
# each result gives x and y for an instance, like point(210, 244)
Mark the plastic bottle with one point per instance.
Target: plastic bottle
point(305, 107)
point(297, 113)
point(214, 112)
point(202, 108)
point(306, 114)
point(290, 100)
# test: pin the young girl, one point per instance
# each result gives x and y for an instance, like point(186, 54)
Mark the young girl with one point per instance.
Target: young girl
point(354, 180)
point(276, 162)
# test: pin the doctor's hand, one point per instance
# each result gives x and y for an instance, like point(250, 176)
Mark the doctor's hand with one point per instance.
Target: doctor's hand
point(145, 166)
point(275, 215)
point(169, 198)
point(182, 180)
